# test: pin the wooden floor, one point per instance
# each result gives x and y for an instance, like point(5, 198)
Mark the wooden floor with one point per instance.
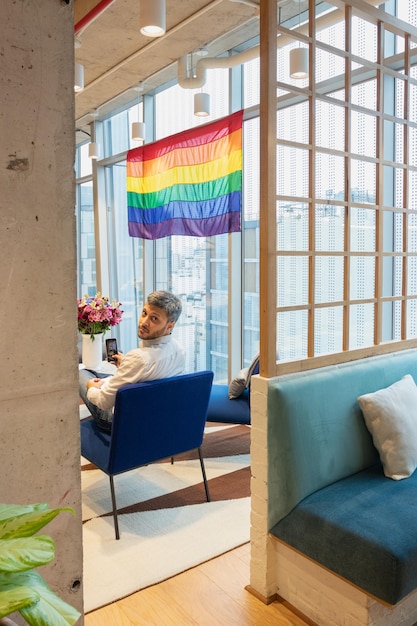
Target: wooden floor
point(212, 594)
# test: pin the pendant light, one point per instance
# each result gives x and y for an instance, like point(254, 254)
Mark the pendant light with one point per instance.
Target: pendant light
point(299, 56)
point(138, 131)
point(78, 77)
point(201, 104)
point(152, 18)
point(93, 147)
point(299, 63)
point(138, 128)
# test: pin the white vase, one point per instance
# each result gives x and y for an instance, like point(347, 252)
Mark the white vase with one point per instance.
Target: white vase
point(92, 350)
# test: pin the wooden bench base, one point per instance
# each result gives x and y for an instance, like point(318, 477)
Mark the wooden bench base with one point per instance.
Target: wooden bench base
point(328, 599)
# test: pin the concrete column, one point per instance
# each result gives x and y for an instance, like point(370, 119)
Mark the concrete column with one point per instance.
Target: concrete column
point(39, 443)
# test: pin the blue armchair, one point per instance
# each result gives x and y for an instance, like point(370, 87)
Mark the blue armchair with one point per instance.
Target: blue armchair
point(152, 421)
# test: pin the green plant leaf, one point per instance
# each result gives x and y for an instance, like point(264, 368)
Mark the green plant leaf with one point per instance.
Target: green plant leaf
point(50, 610)
point(28, 523)
point(13, 598)
point(23, 553)
point(13, 510)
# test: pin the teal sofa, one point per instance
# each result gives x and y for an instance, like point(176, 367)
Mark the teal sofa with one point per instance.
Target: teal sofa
point(328, 497)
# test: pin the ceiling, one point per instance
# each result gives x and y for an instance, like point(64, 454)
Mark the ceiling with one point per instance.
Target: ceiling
point(117, 57)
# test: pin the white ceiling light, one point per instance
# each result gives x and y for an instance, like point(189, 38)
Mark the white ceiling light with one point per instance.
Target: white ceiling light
point(138, 131)
point(201, 104)
point(78, 77)
point(299, 63)
point(152, 18)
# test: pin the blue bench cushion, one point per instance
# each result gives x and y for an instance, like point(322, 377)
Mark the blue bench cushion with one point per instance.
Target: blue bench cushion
point(363, 528)
point(222, 409)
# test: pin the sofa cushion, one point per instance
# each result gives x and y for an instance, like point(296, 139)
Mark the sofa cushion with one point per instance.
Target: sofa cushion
point(222, 409)
point(362, 528)
point(391, 418)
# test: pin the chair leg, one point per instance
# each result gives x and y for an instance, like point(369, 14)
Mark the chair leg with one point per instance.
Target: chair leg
point(113, 500)
point(203, 470)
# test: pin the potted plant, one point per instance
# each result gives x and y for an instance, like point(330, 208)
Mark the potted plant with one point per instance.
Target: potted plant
point(21, 587)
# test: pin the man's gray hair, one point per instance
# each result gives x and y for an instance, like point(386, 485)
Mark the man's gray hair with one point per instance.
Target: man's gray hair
point(167, 301)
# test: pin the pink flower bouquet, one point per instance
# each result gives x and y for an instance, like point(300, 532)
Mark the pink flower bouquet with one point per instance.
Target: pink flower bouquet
point(98, 314)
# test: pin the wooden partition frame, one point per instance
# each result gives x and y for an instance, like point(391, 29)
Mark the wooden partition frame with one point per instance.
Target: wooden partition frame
point(383, 70)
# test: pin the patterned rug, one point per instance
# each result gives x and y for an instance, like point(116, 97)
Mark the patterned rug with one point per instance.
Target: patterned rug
point(166, 525)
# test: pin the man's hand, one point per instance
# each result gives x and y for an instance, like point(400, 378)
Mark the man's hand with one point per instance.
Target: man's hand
point(117, 359)
point(95, 382)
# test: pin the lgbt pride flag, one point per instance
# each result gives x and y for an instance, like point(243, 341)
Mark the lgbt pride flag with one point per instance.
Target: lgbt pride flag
point(187, 184)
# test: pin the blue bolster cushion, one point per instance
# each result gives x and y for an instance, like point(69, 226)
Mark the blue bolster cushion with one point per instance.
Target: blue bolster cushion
point(222, 409)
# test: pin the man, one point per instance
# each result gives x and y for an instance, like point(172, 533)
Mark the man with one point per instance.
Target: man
point(159, 356)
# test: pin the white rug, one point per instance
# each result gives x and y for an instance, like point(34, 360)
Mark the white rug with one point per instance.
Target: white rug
point(157, 544)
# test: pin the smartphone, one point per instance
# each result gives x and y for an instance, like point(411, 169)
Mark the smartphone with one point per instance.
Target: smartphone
point(111, 349)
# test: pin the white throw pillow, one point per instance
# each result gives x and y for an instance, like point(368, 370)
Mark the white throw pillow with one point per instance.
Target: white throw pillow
point(391, 418)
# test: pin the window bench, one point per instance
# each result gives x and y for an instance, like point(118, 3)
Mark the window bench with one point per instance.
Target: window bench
point(341, 539)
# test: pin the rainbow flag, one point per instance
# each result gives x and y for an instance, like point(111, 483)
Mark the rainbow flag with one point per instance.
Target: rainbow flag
point(187, 184)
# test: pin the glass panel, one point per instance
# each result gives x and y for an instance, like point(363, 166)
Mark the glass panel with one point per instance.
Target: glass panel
point(394, 238)
point(399, 97)
point(361, 326)
point(251, 77)
point(330, 227)
point(362, 230)
point(292, 226)
point(364, 94)
point(412, 153)
point(413, 100)
point(364, 39)
point(292, 171)
point(363, 134)
point(250, 241)
point(333, 35)
point(412, 191)
point(116, 134)
point(391, 276)
point(329, 279)
point(329, 65)
point(125, 259)
point(330, 176)
point(292, 280)
point(412, 232)
point(362, 277)
point(390, 330)
point(84, 163)
point(330, 125)
point(328, 327)
point(411, 275)
point(397, 320)
point(411, 318)
point(363, 178)
point(292, 333)
point(292, 123)
point(86, 250)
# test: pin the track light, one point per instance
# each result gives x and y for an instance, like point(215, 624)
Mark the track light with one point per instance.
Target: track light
point(78, 77)
point(152, 18)
point(201, 104)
